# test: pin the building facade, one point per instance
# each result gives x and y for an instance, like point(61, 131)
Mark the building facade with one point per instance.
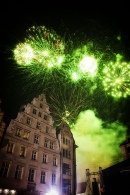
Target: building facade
point(125, 148)
point(37, 158)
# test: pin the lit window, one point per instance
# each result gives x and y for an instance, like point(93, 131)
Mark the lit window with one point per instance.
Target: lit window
point(18, 172)
point(22, 151)
point(26, 135)
point(4, 169)
point(31, 175)
point(18, 132)
point(53, 178)
point(34, 155)
point(10, 147)
point(36, 139)
point(44, 160)
point(43, 177)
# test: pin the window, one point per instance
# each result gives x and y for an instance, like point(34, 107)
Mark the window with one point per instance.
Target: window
point(47, 129)
point(41, 105)
point(36, 139)
point(66, 169)
point(18, 172)
point(51, 145)
point(44, 160)
point(63, 140)
point(18, 132)
point(34, 111)
point(54, 161)
point(34, 155)
point(45, 117)
point(31, 175)
point(10, 147)
point(26, 135)
point(46, 143)
point(4, 169)
point(53, 178)
point(40, 114)
point(22, 151)
point(66, 183)
point(66, 153)
point(28, 121)
point(43, 177)
point(38, 125)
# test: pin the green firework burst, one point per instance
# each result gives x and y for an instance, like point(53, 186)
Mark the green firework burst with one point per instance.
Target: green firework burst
point(116, 78)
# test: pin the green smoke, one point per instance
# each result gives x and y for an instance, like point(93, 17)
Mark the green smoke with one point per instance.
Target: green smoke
point(98, 143)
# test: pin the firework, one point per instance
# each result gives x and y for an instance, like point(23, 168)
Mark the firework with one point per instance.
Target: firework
point(116, 78)
point(41, 47)
point(83, 64)
point(66, 102)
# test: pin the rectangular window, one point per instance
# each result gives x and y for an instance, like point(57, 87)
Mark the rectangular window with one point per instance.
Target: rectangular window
point(51, 145)
point(18, 132)
point(66, 183)
point(10, 147)
point(69, 156)
point(44, 160)
point(53, 178)
point(18, 172)
point(34, 111)
point(64, 153)
point(28, 121)
point(38, 126)
point(22, 151)
point(41, 105)
point(34, 155)
point(63, 140)
point(31, 175)
point(47, 129)
point(4, 169)
point(66, 169)
point(40, 114)
point(46, 143)
point(26, 135)
point(43, 177)
point(36, 139)
point(54, 161)
point(45, 117)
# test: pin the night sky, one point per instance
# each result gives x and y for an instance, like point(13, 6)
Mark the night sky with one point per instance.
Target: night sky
point(99, 128)
point(95, 20)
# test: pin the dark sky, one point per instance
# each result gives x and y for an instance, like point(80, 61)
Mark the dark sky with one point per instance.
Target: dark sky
point(89, 17)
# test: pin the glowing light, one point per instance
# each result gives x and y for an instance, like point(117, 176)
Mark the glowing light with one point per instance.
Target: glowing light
point(84, 64)
point(52, 192)
point(23, 54)
point(89, 65)
point(116, 78)
point(41, 46)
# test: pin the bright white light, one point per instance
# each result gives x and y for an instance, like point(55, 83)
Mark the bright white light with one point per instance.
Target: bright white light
point(52, 192)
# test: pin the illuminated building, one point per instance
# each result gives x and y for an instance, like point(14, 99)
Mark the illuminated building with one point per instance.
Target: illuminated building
point(38, 159)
